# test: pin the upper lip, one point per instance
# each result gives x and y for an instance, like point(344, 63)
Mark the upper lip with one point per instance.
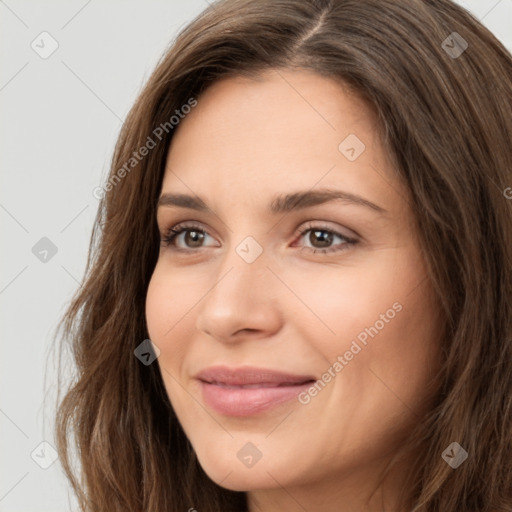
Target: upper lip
point(249, 375)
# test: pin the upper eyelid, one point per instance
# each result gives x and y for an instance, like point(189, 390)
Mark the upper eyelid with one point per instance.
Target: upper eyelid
point(185, 226)
point(304, 228)
point(311, 224)
point(164, 218)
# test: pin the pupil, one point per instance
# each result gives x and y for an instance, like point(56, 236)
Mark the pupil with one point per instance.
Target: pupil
point(195, 236)
point(323, 239)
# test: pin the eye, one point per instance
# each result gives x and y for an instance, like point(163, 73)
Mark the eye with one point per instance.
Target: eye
point(321, 237)
point(193, 237)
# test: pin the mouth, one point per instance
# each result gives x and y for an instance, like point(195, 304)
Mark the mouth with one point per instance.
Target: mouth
point(247, 391)
point(254, 386)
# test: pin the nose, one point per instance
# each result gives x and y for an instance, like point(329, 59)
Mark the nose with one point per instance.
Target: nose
point(242, 300)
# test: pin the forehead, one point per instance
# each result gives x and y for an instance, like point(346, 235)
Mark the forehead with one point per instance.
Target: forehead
point(286, 130)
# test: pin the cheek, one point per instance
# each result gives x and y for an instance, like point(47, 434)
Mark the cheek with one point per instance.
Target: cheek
point(169, 298)
point(164, 308)
point(171, 305)
point(337, 303)
point(158, 307)
point(380, 318)
point(166, 322)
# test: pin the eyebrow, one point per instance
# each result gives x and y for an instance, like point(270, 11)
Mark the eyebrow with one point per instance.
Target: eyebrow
point(280, 204)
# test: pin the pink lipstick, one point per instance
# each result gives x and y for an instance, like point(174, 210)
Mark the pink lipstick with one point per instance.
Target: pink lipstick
point(246, 391)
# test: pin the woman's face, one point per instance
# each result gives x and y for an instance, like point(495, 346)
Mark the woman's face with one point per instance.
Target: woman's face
point(243, 289)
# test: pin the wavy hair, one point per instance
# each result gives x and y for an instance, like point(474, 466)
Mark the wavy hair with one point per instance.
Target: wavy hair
point(444, 113)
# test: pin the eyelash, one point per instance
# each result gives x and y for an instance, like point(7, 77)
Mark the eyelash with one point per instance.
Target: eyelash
point(171, 234)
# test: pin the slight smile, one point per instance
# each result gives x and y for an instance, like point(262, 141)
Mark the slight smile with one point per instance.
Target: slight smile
point(246, 391)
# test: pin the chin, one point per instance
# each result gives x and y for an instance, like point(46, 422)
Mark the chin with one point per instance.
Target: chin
point(233, 475)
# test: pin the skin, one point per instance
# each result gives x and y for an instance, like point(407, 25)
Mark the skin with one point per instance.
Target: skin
point(246, 142)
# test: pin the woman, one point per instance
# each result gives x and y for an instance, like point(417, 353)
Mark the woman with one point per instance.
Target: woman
point(299, 290)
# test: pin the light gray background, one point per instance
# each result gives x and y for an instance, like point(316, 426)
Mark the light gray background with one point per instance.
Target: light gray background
point(60, 119)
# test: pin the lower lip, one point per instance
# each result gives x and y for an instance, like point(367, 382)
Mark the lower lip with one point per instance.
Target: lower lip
point(248, 401)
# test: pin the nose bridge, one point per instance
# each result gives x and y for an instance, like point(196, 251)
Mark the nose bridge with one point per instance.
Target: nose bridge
point(243, 266)
point(240, 296)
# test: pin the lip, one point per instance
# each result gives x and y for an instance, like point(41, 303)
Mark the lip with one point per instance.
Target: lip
point(248, 390)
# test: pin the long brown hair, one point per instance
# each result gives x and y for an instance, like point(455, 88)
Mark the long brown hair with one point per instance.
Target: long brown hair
point(441, 85)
